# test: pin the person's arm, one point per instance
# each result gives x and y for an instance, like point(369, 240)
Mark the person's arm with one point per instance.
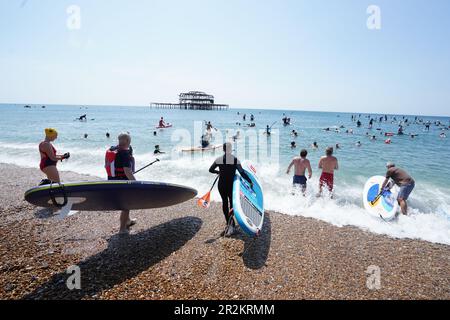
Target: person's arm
point(386, 181)
point(320, 163)
point(129, 173)
point(290, 166)
point(309, 170)
point(244, 174)
point(127, 161)
point(48, 150)
point(213, 168)
point(337, 165)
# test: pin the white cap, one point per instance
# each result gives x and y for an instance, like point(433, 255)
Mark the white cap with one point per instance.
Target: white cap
point(390, 164)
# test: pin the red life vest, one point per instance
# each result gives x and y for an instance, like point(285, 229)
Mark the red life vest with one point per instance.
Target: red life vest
point(110, 159)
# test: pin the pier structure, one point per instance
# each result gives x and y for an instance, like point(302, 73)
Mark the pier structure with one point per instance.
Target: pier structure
point(192, 100)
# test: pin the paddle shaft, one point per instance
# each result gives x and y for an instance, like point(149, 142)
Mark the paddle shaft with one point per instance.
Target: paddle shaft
point(217, 178)
point(146, 166)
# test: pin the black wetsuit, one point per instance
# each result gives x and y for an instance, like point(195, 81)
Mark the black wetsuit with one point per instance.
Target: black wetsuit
point(227, 171)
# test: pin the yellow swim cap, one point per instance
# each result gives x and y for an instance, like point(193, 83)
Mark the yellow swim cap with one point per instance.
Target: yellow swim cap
point(50, 132)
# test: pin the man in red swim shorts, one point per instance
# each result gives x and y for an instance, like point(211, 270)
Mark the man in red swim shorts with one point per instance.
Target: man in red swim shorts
point(328, 164)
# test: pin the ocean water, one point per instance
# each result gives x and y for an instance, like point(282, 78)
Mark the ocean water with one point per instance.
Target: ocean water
point(426, 157)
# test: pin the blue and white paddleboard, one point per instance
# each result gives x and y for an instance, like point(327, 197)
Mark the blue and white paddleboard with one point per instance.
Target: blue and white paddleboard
point(248, 204)
point(385, 206)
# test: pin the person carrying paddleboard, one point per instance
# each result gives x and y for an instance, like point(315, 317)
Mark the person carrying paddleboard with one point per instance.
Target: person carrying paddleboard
point(228, 164)
point(328, 164)
point(49, 157)
point(119, 165)
point(403, 180)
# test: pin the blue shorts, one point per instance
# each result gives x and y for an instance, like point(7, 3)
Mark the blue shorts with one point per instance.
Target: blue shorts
point(301, 180)
point(405, 191)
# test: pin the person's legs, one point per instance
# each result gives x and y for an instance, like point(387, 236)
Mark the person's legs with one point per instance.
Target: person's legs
point(224, 195)
point(124, 219)
point(403, 205)
point(52, 173)
point(230, 199)
point(403, 196)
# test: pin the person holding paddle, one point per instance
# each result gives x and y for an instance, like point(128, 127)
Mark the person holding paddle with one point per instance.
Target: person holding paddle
point(119, 165)
point(403, 180)
point(228, 164)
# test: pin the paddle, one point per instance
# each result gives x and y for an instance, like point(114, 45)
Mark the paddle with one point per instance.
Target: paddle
point(204, 201)
point(146, 166)
point(378, 197)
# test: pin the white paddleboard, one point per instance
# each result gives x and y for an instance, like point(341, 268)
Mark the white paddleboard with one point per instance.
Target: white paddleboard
point(385, 206)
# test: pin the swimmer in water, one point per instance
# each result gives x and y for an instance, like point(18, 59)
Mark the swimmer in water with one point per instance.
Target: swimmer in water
point(154, 133)
point(358, 144)
point(293, 145)
point(157, 150)
point(85, 135)
point(443, 135)
point(107, 135)
point(237, 135)
point(314, 145)
point(338, 146)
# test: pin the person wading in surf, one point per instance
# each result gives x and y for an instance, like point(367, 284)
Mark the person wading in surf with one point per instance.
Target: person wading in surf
point(228, 164)
point(328, 164)
point(300, 165)
point(119, 164)
point(403, 180)
point(49, 158)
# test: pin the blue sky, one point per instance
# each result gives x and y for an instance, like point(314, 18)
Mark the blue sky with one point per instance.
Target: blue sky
point(306, 55)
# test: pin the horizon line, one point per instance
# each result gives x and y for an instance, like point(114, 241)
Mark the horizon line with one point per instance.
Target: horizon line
point(234, 108)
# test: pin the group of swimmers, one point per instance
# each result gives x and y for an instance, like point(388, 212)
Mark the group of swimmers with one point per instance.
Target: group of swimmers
point(120, 166)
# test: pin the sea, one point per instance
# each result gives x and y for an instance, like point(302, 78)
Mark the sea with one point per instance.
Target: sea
point(426, 156)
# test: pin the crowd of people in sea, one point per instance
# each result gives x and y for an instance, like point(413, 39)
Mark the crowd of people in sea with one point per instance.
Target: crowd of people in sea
point(119, 160)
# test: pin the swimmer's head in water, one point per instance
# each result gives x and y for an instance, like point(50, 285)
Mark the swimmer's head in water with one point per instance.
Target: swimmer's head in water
point(329, 151)
point(51, 133)
point(227, 147)
point(124, 139)
point(303, 153)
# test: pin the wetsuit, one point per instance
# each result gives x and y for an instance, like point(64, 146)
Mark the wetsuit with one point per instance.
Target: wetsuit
point(227, 171)
point(46, 161)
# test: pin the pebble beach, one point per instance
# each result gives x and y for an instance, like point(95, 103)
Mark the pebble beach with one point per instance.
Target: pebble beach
point(177, 253)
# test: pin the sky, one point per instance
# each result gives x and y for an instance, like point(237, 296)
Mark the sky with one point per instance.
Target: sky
point(303, 55)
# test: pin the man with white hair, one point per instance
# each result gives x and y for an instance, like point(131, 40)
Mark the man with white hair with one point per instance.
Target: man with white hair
point(119, 165)
point(403, 180)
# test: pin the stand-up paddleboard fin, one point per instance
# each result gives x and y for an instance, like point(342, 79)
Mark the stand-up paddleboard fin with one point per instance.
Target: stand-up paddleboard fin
point(66, 210)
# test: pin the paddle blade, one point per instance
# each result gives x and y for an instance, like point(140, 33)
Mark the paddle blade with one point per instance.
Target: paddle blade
point(204, 201)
